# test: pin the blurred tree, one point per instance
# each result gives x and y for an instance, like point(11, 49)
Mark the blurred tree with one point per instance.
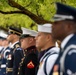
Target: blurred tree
point(27, 13)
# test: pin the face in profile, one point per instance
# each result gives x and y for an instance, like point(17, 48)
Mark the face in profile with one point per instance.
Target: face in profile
point(10, 37)
point(58, 29)
point(27, 42)
point(40, 40)
point(5, 43)
point(24, 43)
point(1, 42)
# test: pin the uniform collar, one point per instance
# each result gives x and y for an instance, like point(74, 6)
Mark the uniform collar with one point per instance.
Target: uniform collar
point(1, 47)
point(30, 48)
point(13, 44)
point(50, 51)
point(43, 52)
point(64, 42)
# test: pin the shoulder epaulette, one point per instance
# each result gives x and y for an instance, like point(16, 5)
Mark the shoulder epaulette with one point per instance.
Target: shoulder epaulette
point(17, 45)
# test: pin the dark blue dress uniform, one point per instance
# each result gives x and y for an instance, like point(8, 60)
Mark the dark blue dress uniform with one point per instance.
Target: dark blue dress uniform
point(1, 48)
point(29, 62)
point(66, 62)
point(5, 54)
point(15, 54)
point(13, 60)
point(68, 57)
point(1, 55)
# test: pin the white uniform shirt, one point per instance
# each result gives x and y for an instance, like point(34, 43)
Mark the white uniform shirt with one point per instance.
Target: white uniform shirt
point(50, 61)
point(1, 47)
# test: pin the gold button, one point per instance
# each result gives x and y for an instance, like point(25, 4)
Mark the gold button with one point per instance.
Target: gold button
point(18, 72)
point(19, 68)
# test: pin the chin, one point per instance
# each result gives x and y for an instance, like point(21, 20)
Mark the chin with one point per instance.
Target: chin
point(37, 46)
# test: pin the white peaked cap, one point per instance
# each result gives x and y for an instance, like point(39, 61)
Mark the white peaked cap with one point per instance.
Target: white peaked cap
point(28, 31)
point(3, 34)
point(45, 28)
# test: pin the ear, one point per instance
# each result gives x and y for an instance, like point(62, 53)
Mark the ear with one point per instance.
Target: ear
point(48, 37)
point(31, 40)
point(69, 27)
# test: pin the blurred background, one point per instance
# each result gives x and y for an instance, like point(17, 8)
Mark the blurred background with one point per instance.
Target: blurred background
point(44, 9)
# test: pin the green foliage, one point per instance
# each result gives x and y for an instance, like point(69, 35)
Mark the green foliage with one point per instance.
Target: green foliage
point(43, 8)
point(71, 2)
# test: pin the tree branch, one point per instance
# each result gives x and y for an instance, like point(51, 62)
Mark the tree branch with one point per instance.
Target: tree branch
point(63, 1)
point(3, 28)
point(35, 18)
point(28, 4)
point(11, 12)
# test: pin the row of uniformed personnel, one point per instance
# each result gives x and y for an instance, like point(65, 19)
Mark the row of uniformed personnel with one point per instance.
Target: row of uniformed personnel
point(23, 57)
point(22, 52)
point(63, 29)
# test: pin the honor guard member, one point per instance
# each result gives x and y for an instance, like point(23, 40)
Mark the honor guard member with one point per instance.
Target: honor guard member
point(1, 40)
point(64, 29)
point(1, 47)
point(49, 53)
point(29, 62)
point(3, 37)
point(4, 54)
point(15, 54)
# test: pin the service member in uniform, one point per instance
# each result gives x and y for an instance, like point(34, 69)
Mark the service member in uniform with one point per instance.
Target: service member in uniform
point(49, 53)
point(64, 29)
point(15, 54)
point(30, 60)
point(1, 40)
point(1, 47)
point(4, 54)
point(3, 35)
point(3, 51)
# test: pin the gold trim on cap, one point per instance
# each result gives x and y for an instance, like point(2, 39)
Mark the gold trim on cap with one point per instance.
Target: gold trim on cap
point(14, 31)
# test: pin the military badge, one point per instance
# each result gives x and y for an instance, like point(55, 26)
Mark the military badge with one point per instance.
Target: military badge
point(9, 57)
point(17, 45)
point(30, 65)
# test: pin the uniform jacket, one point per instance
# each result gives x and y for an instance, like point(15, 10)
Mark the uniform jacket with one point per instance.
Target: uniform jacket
point(67, 58)
point(4, 54)
point(14, 59)
point(1, 50)
point(49, 57)
point(29, 62)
